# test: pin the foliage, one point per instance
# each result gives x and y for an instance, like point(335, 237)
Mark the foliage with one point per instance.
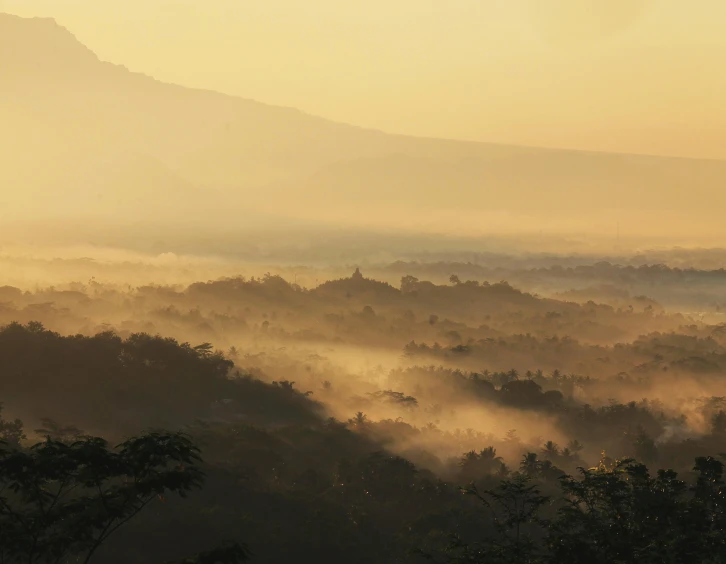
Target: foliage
point(59, 499)
point(11, 432)
point(621, 513)
point(514, 507)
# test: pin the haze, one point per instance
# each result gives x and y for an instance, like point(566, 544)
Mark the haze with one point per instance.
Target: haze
point(325, 266)
point(595, 74)
point(102, 152)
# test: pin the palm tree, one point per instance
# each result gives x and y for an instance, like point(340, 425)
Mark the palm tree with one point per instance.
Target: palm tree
point(551, 450)
point(359, 420)
point(503, 471)
point(575, 446)
point(489, 458)
point(477, 465)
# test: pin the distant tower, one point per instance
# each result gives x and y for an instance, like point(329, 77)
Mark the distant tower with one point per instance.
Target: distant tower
point(357, 275)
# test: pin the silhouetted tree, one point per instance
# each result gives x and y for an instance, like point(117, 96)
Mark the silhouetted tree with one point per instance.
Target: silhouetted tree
point(59, 500)
point(11, 432)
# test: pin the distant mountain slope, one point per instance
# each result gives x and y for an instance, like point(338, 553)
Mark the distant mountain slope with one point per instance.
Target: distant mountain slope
point(69, 118)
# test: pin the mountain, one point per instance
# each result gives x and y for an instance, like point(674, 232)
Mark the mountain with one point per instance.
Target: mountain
point(93, 139)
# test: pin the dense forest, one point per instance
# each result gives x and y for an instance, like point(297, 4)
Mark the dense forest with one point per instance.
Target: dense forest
point(357, 421)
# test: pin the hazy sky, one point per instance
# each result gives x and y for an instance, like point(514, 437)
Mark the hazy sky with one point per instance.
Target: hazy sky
point(625, 75)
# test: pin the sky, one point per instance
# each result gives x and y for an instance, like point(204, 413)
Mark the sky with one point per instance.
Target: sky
point(642, 76)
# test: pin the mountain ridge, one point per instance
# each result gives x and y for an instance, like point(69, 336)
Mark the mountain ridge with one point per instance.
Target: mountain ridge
point(245, 155)
point(52, 23)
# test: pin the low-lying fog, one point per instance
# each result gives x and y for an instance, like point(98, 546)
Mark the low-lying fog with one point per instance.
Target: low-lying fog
point(436, 355)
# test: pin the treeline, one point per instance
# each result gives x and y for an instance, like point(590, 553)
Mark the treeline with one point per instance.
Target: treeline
point(615, 512)
point(691, 352)
point(629, 281)
point(115, 385)
point(354, 310)
point(323, 493)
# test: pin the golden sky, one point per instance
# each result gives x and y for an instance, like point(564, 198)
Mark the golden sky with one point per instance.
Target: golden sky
point(644, 76)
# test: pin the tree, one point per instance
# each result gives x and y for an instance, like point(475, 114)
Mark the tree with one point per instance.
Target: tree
point(575, 446)
point(511, 436)
point(707, 509)
point(551, 450)
point(386, 477)
point(54, 430)
point(645, 447)
point(59, 500)
point(476, 465)
point(514, 505)
point(718, 423)
point(11, 432)
point(205, 350)
point(286, 385)
point(620, 513)
point(360, 420)
point(545, 470)
point(398, 398)
point(408, 284)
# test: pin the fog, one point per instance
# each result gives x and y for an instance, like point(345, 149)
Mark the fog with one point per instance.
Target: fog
point(359, 313)
point(411, 351)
